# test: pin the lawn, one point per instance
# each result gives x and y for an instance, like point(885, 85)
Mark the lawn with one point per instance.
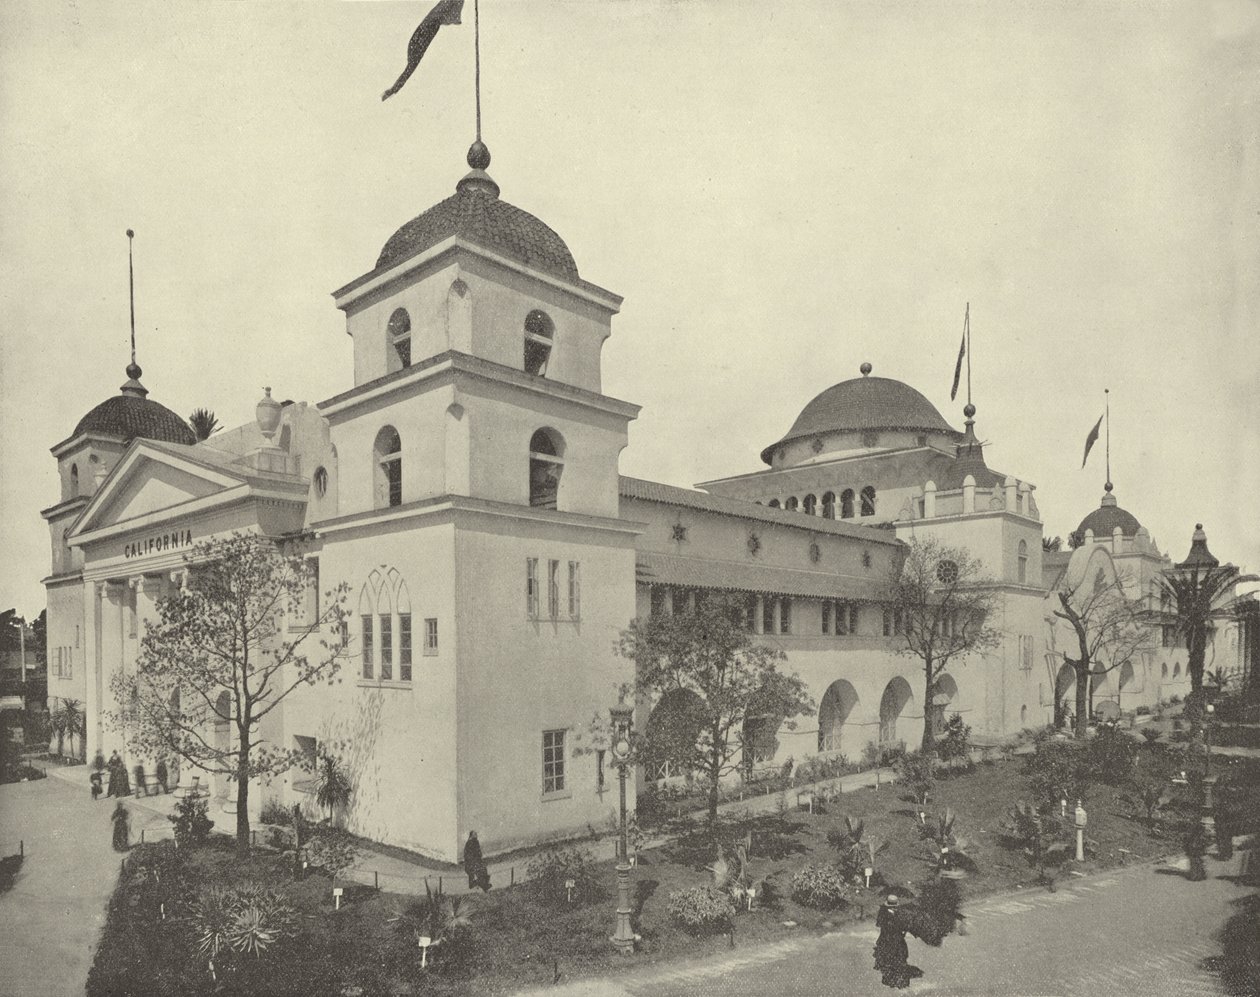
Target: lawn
point(518, 938)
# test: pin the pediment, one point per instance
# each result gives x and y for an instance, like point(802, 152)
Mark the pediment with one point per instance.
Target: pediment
point(151, 481)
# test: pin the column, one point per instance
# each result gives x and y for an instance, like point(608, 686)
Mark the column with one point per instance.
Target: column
point(929, 500)
point(668, 601)
point(969, 494)
point(778, 616)
point(92, 592)
point(759, 616)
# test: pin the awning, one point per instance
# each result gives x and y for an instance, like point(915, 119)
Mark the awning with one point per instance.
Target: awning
point(694, 572)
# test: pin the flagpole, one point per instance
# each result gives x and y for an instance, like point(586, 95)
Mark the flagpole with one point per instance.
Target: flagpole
point(477, 60)
point(131, 292)
point(967, 327)
point(1107, 395)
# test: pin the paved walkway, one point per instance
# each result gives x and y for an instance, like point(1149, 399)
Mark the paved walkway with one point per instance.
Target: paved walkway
point(51, 920)
point(1126, 933)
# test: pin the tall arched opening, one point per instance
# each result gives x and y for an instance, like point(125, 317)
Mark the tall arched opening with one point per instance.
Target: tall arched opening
point(837, 704)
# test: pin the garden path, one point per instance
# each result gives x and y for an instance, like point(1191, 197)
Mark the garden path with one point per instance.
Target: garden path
point(51, 920)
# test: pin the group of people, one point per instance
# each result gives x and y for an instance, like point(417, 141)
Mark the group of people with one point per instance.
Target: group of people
point(118, 784)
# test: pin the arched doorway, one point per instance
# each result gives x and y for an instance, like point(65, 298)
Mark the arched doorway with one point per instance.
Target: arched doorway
point(897, 696)
point(673, 728)
point(837, 703)
point(944, 692)
point(1064, 695)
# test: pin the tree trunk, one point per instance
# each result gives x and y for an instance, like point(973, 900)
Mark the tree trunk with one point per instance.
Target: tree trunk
point(1082, 697)
point(716, 762)
point(242, 802)
point(1198, 652)
point(928, 745)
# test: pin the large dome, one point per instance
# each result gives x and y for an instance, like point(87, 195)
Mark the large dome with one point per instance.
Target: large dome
point(865, 403)
point(130, 415)
point(475, 212)
point(1104, 520)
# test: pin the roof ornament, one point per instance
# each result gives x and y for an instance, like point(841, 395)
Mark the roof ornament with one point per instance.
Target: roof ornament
point(133, 385)
point(866, 369)
point(478, 153)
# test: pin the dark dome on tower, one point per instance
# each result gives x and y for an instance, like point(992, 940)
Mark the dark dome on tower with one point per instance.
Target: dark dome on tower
point(1104, 520)
point(476, 213)
point(866, 403)
point(130, 414)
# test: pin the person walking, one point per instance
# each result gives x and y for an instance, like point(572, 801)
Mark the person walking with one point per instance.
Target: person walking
point(1196, 846)
point(162, 775)
point(115, 768)
point(122, 827)
point(475, 865)
point(891, 952)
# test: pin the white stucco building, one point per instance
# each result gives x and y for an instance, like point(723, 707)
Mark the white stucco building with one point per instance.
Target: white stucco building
point(466, 488)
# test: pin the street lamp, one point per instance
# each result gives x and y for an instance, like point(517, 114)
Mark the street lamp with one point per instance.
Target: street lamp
point(1208, 780)
point(623, 937)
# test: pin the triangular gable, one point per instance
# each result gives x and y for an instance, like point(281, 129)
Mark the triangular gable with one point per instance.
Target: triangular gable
point(151, 479)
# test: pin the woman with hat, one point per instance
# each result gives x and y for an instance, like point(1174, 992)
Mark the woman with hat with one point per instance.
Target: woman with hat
point(891, 952)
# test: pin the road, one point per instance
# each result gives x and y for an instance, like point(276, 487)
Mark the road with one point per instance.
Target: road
point(1138, 931)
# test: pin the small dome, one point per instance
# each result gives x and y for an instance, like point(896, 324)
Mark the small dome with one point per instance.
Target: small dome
point(866, 403)
point(476, 213)
point(131, 415)
point(1104, 520)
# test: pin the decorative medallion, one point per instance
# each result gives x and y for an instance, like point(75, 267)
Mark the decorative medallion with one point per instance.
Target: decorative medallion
point(815, 552)
point(680, 532)
point(947, 572)
point(817, 444)
point(754, 543)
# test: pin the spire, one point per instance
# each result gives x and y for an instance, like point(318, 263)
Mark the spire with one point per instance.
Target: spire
point(133, 385)
point(478, 181)
point(1199, 556)
point(1107, 486)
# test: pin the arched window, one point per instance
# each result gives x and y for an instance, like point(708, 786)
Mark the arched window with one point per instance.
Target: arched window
point(829, 505)
point(811, 505)
point(400, 338)
point(321, 481)
point(546, 462)
point(1163, 670)
point(539, 332)
point(846, 504)
point(387, 452)
point(791, 505)
point(773, 503)
point(74, 480)
point(367, 631)
point(1021, 559)
point(868, 500)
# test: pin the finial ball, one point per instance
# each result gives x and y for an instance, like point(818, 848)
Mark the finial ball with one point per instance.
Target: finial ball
point(478, 155)
point(865, 369)
point(1198, 526)
point(969, 410)
point(134, 371)
point(130, 234)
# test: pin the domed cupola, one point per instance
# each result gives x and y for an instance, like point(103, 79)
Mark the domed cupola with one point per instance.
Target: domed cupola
point(865, 404)
point(1104, 520)
point(476, 213)
point(131, 414)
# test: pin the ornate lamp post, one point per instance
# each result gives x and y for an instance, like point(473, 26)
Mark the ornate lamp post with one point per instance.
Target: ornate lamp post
point(623, 937)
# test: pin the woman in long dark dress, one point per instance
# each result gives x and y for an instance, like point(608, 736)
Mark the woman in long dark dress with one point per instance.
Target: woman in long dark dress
point(122, 827)
point(891, 952)
point(474, 864)
point(115, 785)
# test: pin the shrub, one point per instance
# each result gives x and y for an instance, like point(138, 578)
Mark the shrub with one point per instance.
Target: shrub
point(551, 869)
point(274, 812)
point(915, 772)
point(1142, 711)
point(332, 849)
point(820, 886)
point(701, 909)
point(446, 921)
point(1151, 736)
point(192, 821)
point(1112, 754)
point(1058, 770)
point(245, 920)
point(954, 743)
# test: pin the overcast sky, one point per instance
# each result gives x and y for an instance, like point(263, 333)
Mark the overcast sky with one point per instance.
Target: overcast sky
point(781, 191)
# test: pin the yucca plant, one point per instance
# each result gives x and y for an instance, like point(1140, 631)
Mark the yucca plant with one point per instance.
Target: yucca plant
point(333, 788)
point(212, 917)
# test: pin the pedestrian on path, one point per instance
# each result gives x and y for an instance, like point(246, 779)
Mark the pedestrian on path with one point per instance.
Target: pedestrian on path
point(95, 779)
point(115, 768)
point(122, 827)
point(891, 953)
point(1196, 845)
point(142, 788)
point(475, 865)
point(162, 775)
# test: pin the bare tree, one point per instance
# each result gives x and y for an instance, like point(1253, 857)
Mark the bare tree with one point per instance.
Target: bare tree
point(941, 605)
point(225, 651)
point(1110, 633)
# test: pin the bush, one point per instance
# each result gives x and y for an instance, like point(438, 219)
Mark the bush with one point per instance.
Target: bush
point(954, 742)
point(820, 886)
point(1058, 770)
point(701, 909)
point(192, 821)
point(549, 871)
point(915, 773)
point(275, 812)
point(820, 767)
point(1112, 754)
point(332, 849)
point(1142, 711)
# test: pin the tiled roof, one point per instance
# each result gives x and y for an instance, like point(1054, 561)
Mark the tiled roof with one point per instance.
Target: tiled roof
point(654, 491)
point(475, 212)
point(1104, 520)
point(130, 415)
point(865, 403)
point(694, 572)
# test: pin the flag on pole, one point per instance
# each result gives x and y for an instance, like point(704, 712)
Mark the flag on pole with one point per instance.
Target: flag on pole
point(1091, 439)
point(443, 12)
point(962, 351)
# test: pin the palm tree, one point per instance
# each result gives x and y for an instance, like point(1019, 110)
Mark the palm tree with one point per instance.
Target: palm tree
point(203, 423)
point(69, 721)
point(333, 789)
point(1201, 592)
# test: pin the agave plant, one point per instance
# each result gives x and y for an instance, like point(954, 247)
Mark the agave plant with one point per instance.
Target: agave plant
point(437, 917)
point(247, 920)
point(212, 917)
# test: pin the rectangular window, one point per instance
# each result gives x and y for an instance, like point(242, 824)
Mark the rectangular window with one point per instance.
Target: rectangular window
point(553, 590)
point(553, 761)
point(368, 662)
point(76, 635)
point(1026, 653)
point(767, 616)
point(67, 670)
point(599, 769)
point(387, 646)
point(404, 646)
point(826, 617)
point(785, 617)
point(842, 619)
point(430, 636)
point(750, 614)
point(312, 590)
point(531, 587)
point(575, 590)
point(899, 621)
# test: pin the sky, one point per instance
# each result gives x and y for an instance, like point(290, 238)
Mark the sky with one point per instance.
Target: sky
point(781, 191)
